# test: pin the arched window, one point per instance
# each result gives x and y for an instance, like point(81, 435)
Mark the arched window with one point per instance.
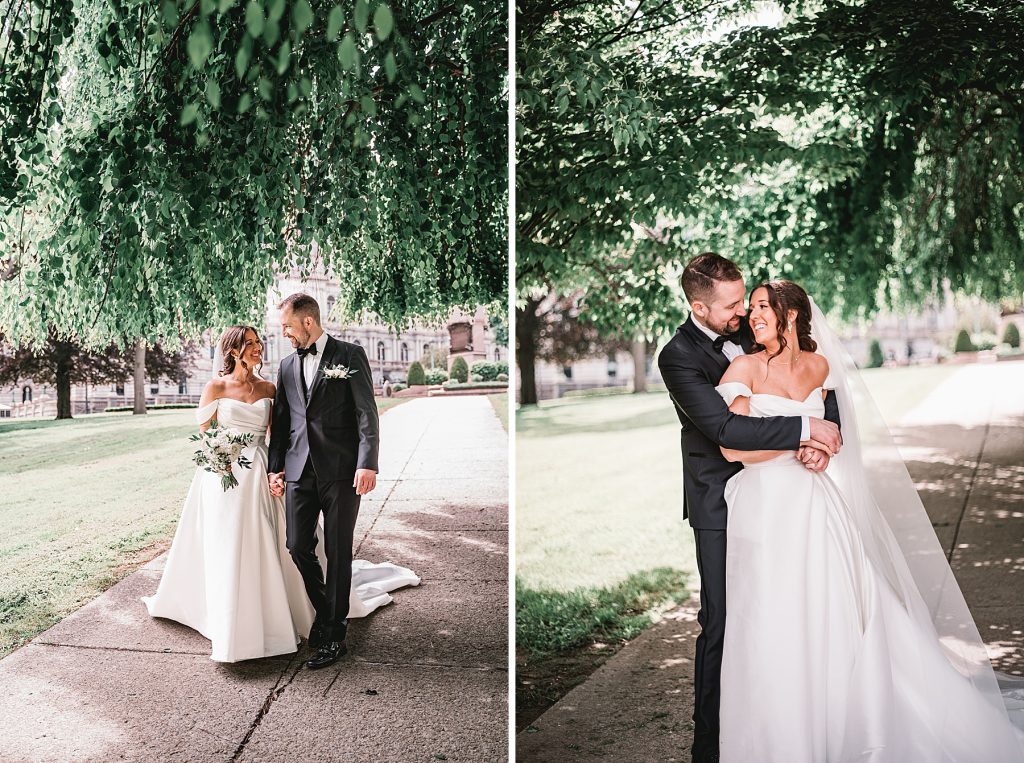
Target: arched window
point(497, 353)
point(330, 306)
point(26, 394)
point(382, 353)
point(358, 343)
point(426, 349)
point(405, 353)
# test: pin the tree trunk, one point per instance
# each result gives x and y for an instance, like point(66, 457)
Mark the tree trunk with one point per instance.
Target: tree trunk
point(140, 377)
point(639, 352)
point(527, 328)
point(63, 353)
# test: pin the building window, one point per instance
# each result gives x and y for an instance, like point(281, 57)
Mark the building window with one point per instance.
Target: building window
point(497, 353)
point(405, 353)
point(182, 387)
point(613, 368)
point(26, 394)
point(213, 351)
point(426, 350)
point(358, 343)
point(567, 370)
point(330, 306)
point(268, 349)
point(155, 388)
point(119, 389)
point(382, 353)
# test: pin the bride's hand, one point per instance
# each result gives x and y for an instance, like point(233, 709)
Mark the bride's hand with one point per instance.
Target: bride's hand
point(814, 457)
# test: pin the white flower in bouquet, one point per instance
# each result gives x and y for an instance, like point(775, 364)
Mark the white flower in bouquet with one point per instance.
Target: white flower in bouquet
point(220, 448)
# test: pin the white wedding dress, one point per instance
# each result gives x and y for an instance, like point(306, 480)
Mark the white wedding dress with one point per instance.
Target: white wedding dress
point(229, 575)
point(822, 662)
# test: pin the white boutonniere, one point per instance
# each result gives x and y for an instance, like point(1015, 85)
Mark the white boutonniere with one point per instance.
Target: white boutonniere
point(339, 372)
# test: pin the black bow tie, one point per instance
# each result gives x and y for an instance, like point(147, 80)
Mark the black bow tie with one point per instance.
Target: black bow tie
point(720, 342)
point(304, 351)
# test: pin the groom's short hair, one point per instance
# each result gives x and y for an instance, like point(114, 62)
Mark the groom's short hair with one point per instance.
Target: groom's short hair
point(302, 305)
point(702, 273)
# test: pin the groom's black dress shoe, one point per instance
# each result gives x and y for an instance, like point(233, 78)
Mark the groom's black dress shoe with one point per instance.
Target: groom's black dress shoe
point(328, 654)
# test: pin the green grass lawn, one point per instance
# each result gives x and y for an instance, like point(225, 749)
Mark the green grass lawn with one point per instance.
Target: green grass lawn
point(83, 503)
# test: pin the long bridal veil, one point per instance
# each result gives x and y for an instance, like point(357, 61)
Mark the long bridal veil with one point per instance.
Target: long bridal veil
point(896, 530)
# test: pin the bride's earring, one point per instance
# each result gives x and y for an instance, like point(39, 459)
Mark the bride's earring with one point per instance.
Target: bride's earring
point(790, 326)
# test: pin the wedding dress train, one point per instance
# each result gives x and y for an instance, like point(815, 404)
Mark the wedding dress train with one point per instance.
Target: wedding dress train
point(228, 573)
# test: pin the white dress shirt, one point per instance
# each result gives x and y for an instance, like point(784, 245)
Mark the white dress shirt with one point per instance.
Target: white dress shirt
point(311, 362)
point(731, 350)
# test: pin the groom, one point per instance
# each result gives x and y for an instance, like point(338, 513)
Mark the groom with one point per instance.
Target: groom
point(323, 457)
point(692, 364)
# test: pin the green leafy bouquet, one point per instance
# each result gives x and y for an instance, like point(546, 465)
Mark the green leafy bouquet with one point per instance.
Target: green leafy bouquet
point(221, 448)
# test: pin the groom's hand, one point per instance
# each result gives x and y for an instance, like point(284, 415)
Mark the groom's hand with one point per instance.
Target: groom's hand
point(276, 484)
point(826, 433)
point(365, 481)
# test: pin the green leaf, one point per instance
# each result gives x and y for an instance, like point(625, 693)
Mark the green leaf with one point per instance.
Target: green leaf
point(335, 20)
point(302, 16)
point(189, 114)
point(276, 10)
point(284, 57)
point(241, 62)
point(390, 67)
point(223, 6)
point(417, 93)
point(383, 21)
point(244, 103)
point(362, 16)
point(206, 7)
point(254, 18)
point(347, 51)
point(213, 93)
point(200, 44)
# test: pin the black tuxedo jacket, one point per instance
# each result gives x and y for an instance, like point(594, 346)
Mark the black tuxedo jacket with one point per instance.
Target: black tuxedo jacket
point(337, 428)
point(692, 368)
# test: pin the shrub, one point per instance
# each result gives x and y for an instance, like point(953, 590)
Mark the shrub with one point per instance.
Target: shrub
point(502, 377)
point(397, 388)
point(460, 370)
point(437, 376)
point(1011, 335)
point(875, 356)
point(476, 378)
point(963, 342)
point(415, 374)
point(488, 371)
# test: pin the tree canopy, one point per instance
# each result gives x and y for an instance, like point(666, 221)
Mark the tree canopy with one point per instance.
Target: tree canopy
point(868, 150)
point(161, 161)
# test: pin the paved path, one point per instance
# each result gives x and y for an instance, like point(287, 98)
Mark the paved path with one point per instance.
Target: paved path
point(964, 447)
point(426, 678)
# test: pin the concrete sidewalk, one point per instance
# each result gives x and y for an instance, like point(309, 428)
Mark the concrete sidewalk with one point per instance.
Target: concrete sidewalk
point(964, 447)
point(426, 677)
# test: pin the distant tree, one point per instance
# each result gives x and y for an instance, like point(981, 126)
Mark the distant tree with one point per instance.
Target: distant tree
point(875, 356)
point(460, 370)
point(415, 374)
point(963, 342)
point(63, 363)
point(1012, 335)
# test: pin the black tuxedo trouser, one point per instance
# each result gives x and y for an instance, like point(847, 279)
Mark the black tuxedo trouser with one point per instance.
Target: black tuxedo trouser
point(339, 503)
point(707, 673)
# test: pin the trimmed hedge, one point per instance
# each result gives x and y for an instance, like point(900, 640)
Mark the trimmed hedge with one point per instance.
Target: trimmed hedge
point(437, 376)
point(161, 407)
point(415, 375)
point(963, 342)
point(875, 356)
point(1012, 335)
point(488, 371)
point(460, 370)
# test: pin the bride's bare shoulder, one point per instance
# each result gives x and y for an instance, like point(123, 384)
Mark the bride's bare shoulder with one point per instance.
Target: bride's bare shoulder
point(817, 366)
point(742, 369)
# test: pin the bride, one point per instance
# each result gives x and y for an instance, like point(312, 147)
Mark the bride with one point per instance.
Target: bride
point(228, 573)
point(848, 638)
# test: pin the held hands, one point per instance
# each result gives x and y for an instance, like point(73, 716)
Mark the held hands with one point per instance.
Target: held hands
point(813, 458)
point(824, 435)
point(276, 484)
point(365, 481)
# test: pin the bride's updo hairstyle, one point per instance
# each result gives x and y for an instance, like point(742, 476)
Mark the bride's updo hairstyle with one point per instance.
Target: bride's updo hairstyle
point(232, 342)
point(784, 296)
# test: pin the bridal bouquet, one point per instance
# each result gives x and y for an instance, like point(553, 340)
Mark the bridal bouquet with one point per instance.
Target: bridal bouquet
point(220, 448)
